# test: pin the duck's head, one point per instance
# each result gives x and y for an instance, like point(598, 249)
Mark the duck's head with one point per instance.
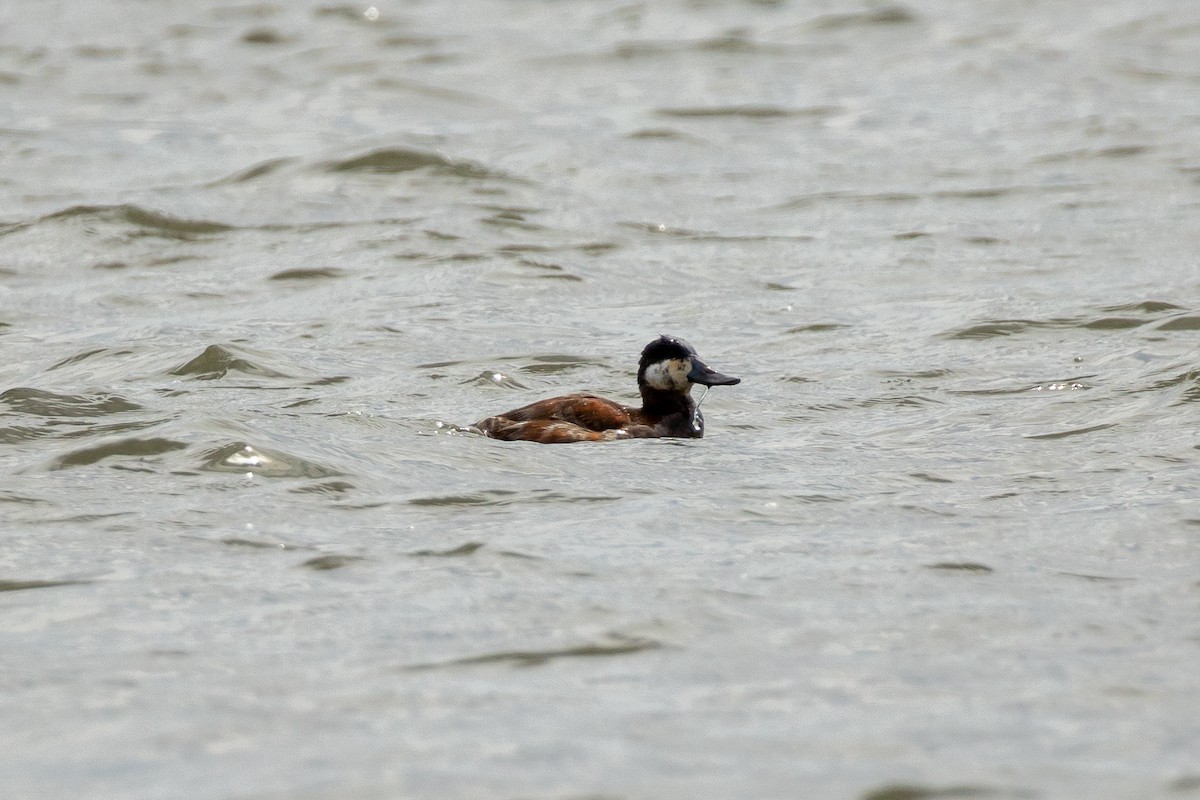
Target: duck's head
point(670, 364)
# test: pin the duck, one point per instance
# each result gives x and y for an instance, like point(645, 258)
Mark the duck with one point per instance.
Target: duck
point(668, 369)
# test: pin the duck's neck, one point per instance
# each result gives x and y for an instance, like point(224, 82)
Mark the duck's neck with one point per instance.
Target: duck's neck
point(663, 403)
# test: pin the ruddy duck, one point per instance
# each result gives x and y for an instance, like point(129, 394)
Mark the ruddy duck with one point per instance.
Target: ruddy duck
point(668, 368)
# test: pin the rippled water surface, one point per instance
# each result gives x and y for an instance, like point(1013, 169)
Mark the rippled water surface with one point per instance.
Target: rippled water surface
point(260, 261)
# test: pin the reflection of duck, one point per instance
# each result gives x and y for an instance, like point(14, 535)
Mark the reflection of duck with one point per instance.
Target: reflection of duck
point(666, 373)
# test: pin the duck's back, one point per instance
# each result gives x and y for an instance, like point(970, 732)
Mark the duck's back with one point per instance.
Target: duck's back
point(571, 418)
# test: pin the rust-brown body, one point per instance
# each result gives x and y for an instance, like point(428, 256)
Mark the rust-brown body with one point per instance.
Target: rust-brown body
point(588, 418)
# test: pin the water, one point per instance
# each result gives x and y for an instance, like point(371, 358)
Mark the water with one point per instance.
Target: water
point(257, 262)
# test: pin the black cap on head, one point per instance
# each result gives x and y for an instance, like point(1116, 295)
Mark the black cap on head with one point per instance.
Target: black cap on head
point(663, 348)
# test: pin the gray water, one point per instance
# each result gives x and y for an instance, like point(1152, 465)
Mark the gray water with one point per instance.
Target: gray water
point(260, 262)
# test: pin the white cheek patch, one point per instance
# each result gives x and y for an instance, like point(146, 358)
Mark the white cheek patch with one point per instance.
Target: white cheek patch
point(670, 375)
